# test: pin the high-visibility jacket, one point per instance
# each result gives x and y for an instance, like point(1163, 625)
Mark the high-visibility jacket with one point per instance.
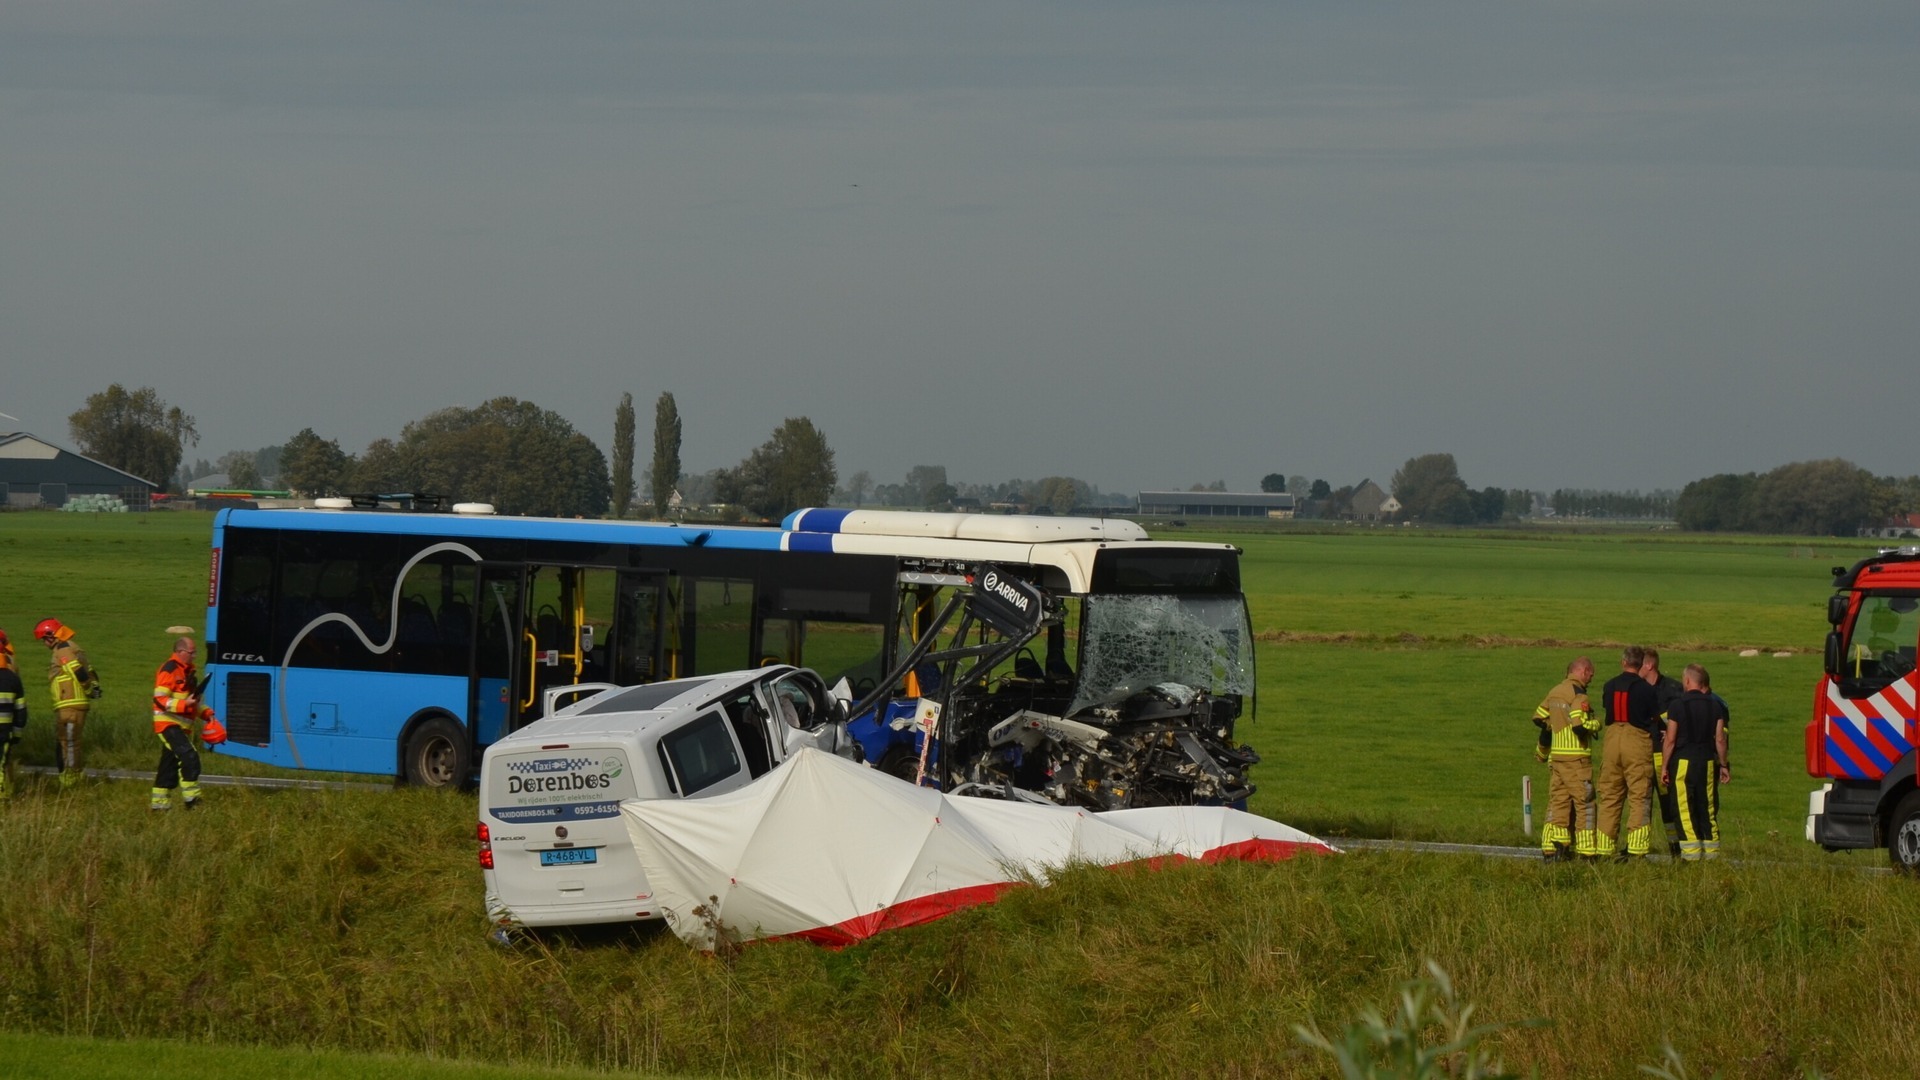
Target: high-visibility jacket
point(1568, 715)
point(70, 677)
point(13, 701)
point(176, 697)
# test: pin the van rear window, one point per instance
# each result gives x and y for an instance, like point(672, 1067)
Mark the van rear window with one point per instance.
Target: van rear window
point(701, 754)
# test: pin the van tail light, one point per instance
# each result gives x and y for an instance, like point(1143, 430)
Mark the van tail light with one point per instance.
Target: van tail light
point(485, 836)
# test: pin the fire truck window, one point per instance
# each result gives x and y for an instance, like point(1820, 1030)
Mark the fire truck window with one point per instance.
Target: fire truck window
point(1884, 638)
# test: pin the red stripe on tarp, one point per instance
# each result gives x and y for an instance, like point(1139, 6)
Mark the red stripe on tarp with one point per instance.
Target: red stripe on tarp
point(1261, 849)
point(922, 909)
point(912, 912)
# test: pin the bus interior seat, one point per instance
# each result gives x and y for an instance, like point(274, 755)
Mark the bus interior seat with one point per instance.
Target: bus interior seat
point(456, 622)
point(416, 623)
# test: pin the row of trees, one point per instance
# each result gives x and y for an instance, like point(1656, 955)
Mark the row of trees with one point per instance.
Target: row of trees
point(1300, 486)
point(1830, 497)
point(514, 454)
point(1588, 502)
point(529, 460)
point(926, 487)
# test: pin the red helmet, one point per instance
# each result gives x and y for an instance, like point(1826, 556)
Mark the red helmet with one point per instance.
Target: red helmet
point(51, 630)
point(5, 645)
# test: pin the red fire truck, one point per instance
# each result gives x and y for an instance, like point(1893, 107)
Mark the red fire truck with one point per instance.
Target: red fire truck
point(1862, 736)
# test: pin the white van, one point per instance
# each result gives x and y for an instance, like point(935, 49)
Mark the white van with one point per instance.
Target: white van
point(553, 847)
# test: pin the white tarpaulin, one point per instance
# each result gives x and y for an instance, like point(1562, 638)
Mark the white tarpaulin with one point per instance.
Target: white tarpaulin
point(830, 851)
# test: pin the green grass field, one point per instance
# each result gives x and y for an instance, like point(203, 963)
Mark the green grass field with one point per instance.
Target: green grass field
point(1398, 672)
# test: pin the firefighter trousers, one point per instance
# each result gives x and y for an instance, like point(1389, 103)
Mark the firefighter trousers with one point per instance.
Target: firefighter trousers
point(1569, 805)
point(1669, 806)
point(1696, 790)
point(67, 723)
point(1626, 786)
point(179, 767)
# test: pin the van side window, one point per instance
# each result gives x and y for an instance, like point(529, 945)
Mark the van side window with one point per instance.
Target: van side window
point(749, 725)
point(701, 754)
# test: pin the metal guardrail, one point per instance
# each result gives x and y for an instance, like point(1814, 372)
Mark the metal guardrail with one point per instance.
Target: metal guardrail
point(1494, 851)
point(222, 780)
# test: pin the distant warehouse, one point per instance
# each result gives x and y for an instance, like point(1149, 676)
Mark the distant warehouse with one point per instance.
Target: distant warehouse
point(34, 472)
point(1216, 504)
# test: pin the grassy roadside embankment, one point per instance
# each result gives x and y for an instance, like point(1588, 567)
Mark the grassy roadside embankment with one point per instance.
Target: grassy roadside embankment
point(349, 921)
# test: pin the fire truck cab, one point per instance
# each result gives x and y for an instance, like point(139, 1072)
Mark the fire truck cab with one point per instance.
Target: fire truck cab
point(1862, 736)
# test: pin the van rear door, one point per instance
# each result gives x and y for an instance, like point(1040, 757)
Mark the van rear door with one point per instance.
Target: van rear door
point(561, 851)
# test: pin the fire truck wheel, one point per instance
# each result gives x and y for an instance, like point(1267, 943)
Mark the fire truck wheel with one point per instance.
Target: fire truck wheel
point(1903, 835)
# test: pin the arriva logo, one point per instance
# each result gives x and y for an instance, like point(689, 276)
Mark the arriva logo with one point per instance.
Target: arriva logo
point(992, 583)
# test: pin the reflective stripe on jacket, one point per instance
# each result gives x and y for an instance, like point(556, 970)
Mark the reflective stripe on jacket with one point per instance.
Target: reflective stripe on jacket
point(1567, 714)
point(13, 700)
point(69, 677)
point(174, 699)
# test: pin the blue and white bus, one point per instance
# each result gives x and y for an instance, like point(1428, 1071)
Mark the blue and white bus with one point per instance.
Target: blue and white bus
point(403, 643)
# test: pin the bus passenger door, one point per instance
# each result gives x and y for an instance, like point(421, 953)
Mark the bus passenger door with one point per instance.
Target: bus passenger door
point(636, 640)
point(498, 683)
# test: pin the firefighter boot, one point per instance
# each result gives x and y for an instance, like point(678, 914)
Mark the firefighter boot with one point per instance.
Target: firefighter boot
point(189, 794)
point(160, 799)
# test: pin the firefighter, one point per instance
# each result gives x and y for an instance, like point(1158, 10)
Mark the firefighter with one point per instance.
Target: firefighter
point(13, 714)
point(1567, 721)
point(176, 707)
point(1696, 764)
point(1666, 694)
point(1626, 761)
point(75, 686)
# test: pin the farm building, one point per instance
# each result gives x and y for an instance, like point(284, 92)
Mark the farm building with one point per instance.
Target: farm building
point(1216, 504)
point(1372, 503)
point(34, 472)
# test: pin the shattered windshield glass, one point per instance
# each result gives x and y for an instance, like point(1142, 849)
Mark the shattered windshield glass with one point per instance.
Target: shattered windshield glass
point(1129, 643)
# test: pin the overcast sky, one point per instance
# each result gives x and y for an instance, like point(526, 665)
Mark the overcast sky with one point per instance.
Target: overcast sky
point(1619, 245)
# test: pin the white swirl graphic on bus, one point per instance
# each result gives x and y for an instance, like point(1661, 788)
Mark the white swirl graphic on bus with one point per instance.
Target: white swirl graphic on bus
point(393, 632)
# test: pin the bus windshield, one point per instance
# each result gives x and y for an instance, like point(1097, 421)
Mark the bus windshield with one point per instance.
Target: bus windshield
point(1129, 643)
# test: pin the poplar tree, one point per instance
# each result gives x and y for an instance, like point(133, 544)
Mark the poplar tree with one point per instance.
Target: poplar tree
point(666, 452)
point(623, 456)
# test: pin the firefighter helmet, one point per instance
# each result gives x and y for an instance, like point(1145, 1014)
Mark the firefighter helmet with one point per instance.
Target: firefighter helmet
point(51, 630)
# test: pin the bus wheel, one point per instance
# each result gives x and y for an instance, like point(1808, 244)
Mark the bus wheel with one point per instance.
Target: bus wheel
point(436, 755)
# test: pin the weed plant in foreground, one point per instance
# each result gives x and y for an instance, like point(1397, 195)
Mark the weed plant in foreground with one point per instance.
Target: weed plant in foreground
point(351, 921)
